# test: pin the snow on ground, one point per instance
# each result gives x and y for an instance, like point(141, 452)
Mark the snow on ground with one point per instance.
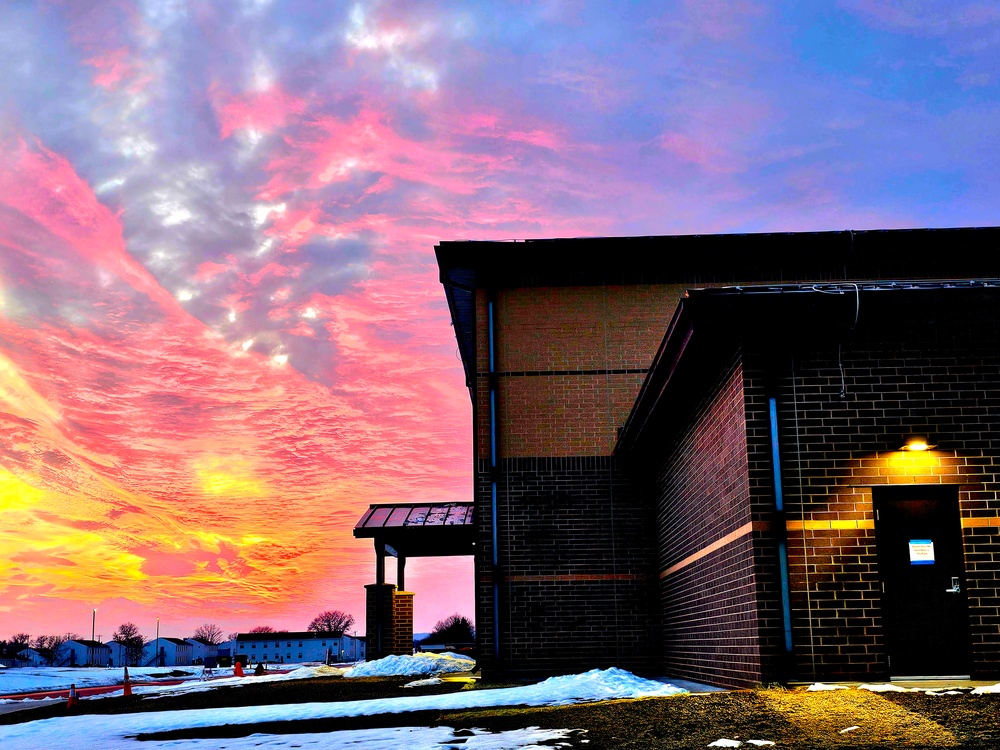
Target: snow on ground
point(822, 686)
point(117, 732)
point(422, 663)
point(198, 685)
point(34, 679)
point(424, 683)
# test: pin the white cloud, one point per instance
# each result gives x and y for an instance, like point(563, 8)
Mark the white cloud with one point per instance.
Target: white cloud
point(170, 211)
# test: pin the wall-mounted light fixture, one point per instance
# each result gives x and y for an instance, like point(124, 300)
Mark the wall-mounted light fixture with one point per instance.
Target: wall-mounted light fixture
point(917, 443)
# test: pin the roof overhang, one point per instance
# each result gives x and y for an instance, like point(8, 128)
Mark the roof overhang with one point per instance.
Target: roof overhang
point(420, 529)
point(780, 317)
point(699, 260)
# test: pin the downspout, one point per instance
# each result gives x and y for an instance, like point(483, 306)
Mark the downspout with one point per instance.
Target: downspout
point(494, 470)
point(780, 530)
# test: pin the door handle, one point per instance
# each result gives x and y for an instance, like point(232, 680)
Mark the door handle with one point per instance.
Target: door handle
point(955, 586)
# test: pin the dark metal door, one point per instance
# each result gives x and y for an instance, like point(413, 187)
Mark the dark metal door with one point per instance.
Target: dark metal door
point(925, 612)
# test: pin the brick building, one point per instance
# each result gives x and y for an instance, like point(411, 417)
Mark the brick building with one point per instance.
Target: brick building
point(688, 452)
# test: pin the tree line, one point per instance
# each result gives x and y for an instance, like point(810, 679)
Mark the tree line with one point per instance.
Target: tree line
point(133, 643)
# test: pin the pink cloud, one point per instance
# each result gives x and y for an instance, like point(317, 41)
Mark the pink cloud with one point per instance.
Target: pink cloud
point(262, 111)
point(112, 67)
point(209, 270)
point(693, 151)
point(722, 20)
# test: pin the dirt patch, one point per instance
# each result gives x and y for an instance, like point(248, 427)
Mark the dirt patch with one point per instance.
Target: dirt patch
point(852, 718)
point(973, 719)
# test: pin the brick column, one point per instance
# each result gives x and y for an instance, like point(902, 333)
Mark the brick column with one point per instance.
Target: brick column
point(402, 622)
point(379, 620)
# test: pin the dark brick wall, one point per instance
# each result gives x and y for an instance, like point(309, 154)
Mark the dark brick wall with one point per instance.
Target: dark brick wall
point(937, 376)
point(576, 583)
point(706, 540)
point(378, 610)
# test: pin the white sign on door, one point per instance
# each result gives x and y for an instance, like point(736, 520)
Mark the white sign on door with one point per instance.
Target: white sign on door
point(921, 552)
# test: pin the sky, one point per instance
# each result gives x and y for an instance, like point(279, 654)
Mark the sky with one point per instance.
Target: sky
point(222, 333)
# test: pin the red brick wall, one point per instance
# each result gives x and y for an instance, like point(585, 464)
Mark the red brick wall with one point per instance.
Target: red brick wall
point(402, 622)
point(571, 361)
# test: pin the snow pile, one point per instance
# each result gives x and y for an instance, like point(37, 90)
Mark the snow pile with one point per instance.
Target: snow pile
point(424, 683)
point(987, 689)
point(887, 688)
point(4, 701)
point(597, 685)
point(817, 687)
point(110, 732)
point(422, 663)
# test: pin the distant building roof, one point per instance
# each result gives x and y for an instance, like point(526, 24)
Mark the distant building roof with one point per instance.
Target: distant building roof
point(287, 635)
point(89, 643)
point(175, 641)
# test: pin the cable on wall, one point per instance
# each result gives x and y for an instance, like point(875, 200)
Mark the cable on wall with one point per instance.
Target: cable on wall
point(611, 473)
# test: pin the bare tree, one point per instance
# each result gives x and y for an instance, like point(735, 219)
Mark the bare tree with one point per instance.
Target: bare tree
point(332, 621)
point(263, 629)
point(209, 632)
point(17, 643)
point(456, 627)
point(130, 639)
point(49, 646)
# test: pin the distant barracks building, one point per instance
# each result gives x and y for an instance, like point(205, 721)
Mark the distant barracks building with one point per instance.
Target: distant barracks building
point(733, 459)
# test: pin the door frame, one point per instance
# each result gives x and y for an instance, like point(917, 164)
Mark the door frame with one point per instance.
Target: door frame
point(942, 493)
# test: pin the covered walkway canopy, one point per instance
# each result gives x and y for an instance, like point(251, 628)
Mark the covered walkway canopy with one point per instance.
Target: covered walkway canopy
point(403, 530)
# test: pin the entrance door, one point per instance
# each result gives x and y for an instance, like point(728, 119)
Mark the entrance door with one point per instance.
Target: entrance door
point(925, 612)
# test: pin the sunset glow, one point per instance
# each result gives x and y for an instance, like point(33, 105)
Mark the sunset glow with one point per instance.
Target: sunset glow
point(222, 333)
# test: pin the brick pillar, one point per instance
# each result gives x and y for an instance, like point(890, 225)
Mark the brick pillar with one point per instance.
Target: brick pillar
point(379, 620)
point(402, 622)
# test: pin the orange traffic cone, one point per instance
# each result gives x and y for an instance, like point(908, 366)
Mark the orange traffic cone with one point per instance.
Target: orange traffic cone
point(238, 669)
point(128, 684)
point(73, 699)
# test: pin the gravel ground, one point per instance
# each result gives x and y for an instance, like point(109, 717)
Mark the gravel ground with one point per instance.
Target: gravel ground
point(789, 718)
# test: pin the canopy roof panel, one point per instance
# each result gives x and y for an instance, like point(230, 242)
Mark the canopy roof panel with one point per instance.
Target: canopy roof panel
point(420, 529)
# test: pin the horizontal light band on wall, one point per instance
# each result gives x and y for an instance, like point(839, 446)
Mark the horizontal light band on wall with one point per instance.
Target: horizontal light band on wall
point(967, 523)
point(729, 538)
point(863, 523)
point(974, 523)
point(565, 373)
point(574, 578)
point(836, 525)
